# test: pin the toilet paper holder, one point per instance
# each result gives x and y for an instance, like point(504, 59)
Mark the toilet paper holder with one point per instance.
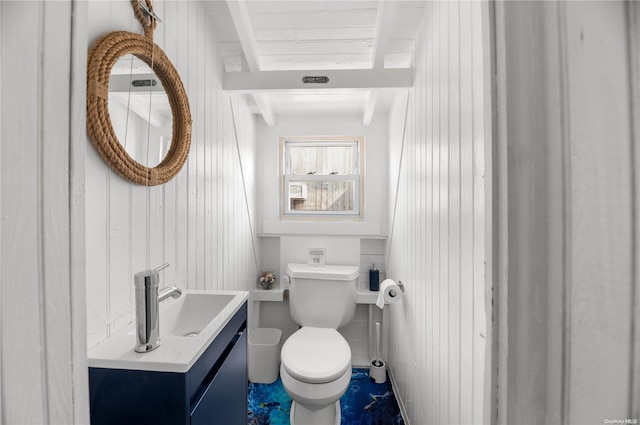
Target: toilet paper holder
point(400, 285)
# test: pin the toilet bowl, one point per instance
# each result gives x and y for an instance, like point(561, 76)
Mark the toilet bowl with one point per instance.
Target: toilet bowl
point(315, 372)
point(316, 360)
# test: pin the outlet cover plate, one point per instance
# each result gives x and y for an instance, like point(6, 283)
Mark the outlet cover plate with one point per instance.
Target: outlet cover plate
point(316, 257)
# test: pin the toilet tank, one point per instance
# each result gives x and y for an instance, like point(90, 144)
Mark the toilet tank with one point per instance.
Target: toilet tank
point(324, 297)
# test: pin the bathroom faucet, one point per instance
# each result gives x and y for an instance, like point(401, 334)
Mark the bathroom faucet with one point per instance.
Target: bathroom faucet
point(169, 291)
point(147, 300)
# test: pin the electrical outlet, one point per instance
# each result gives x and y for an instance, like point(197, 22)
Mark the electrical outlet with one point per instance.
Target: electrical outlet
point(316, 257)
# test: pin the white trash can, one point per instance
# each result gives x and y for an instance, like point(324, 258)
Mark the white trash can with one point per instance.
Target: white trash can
point(264, 355)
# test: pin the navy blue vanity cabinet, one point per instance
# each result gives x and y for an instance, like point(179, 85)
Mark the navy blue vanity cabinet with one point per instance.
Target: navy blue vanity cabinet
point(225, 400)
point(213, 391)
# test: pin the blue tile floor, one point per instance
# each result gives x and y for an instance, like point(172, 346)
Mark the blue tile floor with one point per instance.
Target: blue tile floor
point(364, 403)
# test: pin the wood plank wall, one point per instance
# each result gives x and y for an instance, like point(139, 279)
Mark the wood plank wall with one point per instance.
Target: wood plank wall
point(43, 375)
point(436, 243)
point(568, 309)
point(200, 222)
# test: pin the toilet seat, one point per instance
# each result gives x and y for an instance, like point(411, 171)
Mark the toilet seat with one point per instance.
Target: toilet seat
point(316, 355)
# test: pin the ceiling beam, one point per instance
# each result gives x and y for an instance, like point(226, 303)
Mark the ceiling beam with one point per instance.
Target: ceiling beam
point(265, 109)
point(242, 22)
point(381, 38)
point(382, 33)
point(370, 107)
point(285, 81)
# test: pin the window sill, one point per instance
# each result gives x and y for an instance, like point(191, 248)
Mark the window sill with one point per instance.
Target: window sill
point(322, 228)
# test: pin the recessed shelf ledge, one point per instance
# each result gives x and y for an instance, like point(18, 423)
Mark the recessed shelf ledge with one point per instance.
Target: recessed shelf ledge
point(277, 235)
point(321, 228)
point(277, 294)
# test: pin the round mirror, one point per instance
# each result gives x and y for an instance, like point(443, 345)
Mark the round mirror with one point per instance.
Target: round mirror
point(140, 111)
point(128, 120)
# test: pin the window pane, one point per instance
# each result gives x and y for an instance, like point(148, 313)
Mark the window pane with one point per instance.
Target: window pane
point(322, 196)
point(321, 160)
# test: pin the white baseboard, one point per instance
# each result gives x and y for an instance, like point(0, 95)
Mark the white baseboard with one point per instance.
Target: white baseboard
point(403, 409)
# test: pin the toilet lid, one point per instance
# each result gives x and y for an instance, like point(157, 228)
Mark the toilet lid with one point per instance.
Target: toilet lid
point(316, 355)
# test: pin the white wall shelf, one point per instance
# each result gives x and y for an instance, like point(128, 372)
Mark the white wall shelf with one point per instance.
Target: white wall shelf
point(274, 294)
point(277, 235)
point(365, 296)
point(277, 293)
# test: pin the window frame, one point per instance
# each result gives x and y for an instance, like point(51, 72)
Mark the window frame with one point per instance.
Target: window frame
point(285, 179)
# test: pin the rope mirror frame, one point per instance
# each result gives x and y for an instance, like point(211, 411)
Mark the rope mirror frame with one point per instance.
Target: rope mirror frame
point(103, 55)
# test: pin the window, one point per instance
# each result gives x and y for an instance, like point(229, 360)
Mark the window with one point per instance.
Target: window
point(322, 176)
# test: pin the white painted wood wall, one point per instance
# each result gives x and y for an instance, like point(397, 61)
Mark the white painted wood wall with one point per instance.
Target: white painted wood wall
point(568, 322)
point(43, 370)
point(50, 174)
point(200, 222)
point(436, 245)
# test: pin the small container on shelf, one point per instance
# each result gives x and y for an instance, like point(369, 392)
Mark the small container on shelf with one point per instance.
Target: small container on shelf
point(267, 280)
point(374, 278)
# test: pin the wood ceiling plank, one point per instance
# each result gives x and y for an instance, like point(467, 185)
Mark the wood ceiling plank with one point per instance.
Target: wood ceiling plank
point(329, 48)
point(231, 48)
point(314, 33)
point(279, 7)
point(397, 60)
point(320, 61)
point(315, 20)
point(235, 63)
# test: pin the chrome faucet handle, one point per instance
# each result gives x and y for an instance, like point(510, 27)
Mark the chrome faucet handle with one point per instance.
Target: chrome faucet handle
point(149, 277)
point(162, 267)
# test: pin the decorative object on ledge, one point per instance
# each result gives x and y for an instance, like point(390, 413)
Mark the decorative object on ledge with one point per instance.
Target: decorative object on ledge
point(102, 56)
point(267, 279)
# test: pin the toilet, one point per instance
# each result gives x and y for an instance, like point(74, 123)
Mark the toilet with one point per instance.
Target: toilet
point(315, 363)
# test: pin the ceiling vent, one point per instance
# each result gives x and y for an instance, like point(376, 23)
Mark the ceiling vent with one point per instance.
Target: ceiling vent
point(315, 80)
point(144, 83)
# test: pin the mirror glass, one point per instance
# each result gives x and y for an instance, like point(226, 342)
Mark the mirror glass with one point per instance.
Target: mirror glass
point(139, 110)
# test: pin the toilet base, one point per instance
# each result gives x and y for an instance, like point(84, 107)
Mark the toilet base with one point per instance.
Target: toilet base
point(315, 415)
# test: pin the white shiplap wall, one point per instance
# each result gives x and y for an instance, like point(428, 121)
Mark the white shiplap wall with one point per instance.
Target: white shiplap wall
point(200, 222)
point(600, 300)
point(436, 243)
point(43, 371)
point(567, 172)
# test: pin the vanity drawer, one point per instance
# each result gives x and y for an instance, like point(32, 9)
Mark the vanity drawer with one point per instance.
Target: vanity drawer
point(224, 400)
point(201, 372)
point(119, 396)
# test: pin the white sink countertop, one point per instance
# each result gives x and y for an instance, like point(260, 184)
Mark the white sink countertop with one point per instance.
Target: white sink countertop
point(177, 353)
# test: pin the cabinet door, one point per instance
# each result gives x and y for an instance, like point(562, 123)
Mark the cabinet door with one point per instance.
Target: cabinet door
point(225, 400)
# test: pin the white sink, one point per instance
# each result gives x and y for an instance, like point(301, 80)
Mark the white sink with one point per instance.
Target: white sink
point(188, 315)
point(187, 326)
